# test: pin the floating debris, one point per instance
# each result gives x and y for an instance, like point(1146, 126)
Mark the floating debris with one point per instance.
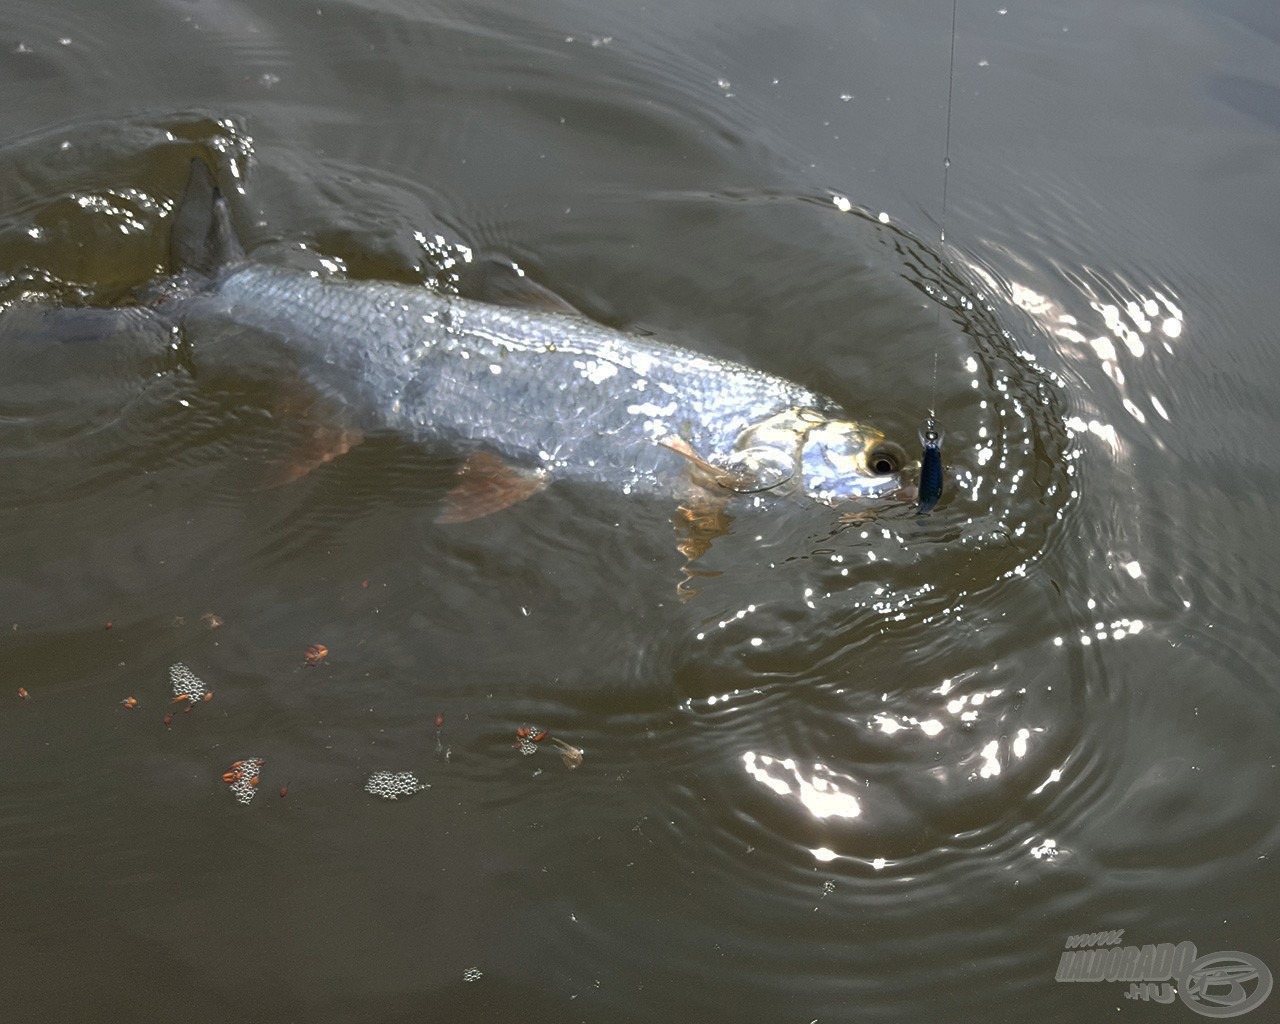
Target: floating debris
point(187, 685)
point(570, 755)
point(443, 753)
point(243, 776)
point(168, 721)
point(528, 737)
point(211, 620)
point(284, 790)
point(22, 692)
point(316, 653)
point(129, 702)
point(472, 974)
point(392, 785)
point(110, 623)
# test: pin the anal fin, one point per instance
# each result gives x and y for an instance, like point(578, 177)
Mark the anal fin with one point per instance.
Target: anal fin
point(487, 483)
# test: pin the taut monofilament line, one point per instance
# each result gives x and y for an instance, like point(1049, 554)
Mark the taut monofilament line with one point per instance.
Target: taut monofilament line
point(930, 484)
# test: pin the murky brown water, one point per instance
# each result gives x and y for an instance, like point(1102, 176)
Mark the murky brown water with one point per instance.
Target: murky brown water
point(878, 772)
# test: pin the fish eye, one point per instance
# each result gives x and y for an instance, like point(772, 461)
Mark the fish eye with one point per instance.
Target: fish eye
point(885, 458)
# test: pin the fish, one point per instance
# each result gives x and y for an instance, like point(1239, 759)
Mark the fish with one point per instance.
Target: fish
point(524, 395)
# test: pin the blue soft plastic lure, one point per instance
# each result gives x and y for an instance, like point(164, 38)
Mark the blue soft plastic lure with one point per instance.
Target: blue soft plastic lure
point(930, 465)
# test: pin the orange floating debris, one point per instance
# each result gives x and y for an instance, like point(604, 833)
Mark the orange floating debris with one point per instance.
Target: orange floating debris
point(129, 702)
point(208, 696)
point(109, 625)
point(284, 790)
point(211, 620)
point(527, 738)
point(439, 720)
point(22, 692)
point(168, 720)
point(316, 653)
point(243, 778)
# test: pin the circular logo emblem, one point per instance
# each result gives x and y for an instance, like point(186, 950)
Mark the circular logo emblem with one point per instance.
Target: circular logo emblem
point(1225, 984)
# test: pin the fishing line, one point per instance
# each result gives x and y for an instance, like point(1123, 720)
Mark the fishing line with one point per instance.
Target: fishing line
point(946, 174)
point(930, 485)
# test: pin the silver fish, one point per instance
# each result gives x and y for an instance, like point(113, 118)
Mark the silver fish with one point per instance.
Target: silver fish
point(533, 395)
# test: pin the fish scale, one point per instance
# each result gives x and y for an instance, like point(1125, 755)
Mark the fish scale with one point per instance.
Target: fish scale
point(540, 388)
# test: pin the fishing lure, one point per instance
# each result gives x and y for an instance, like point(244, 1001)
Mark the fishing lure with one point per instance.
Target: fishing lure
point(930, 489)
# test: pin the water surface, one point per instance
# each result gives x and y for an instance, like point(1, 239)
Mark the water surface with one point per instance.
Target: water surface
point(870, 772)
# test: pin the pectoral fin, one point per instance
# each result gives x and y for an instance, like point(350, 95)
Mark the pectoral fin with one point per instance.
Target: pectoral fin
point(747, 471)
point(488, 483)
point(705, 474)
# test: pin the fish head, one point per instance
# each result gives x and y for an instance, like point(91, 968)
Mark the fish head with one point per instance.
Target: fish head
point(803, 450)
point(841, 460)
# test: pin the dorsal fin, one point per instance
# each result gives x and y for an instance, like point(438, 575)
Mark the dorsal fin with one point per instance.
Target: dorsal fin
point(202, 238)
point(499, 280)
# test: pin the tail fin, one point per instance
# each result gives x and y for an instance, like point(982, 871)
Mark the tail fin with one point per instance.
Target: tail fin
point(202, 238)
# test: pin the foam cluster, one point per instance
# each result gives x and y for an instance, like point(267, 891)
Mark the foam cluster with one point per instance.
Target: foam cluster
point(186, 684)
point(390, 785)
point(243, 778)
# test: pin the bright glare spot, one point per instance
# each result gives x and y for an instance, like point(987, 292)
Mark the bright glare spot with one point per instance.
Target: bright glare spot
point(1054, 776)
point(824, 855)
point(1103, 349)
point(821, 794)
point(842, 204)
point(883, 217)
point(931, 727)
point(1172, 327)
point(1133, 569)
point(990, 763)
